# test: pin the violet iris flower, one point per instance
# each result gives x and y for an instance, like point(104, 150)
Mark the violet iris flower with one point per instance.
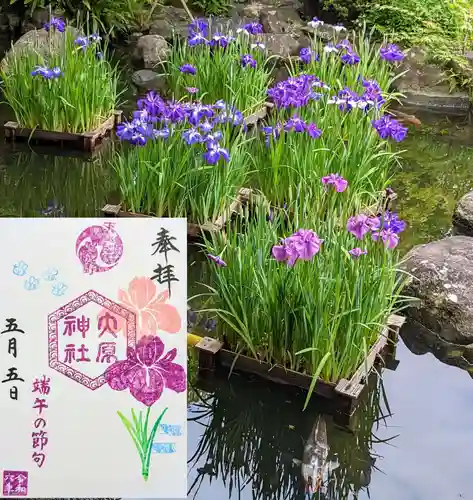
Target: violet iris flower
point(81, 42)
point(357, 252)
point(296, 124)
point(248, 60)
point(313, 131)
point(360, 225)
point(188, 69)
point(305, 55)
point(192, 136)
point(389, 238)
point(152, 103)
point(55, 23)
point(214, 153)
point(251, 28)
point(387, 127)
point(350, 58)
point(337, 181)
point(303, 245)
point(218, 260)
point(391, 53)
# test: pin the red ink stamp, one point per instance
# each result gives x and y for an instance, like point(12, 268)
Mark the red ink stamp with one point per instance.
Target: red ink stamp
point(15, 483)
point(99, 248)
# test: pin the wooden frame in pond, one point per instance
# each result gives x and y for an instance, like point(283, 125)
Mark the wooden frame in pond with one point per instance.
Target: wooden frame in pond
point(193, 230)
point(343, 395)
point(86, 141)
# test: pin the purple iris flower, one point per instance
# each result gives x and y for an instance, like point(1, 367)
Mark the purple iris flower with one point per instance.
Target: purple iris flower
point(174, 112)
point(350, 58)
point(95, 38)
point(214, 153)
point(199, 111)
point(313, 131)
point(219, 40)
point(199, 26)
point(344, 44)
point(55, 23)
point(46, 73)
point(218, 260)
point(387, 127)
point(152, 103)
point(357, 252)
point(81, 42)
point(305, 55)
point(362, 224)
point(213, 138)
point(192, 90)
point(206, 127)
point(197, 39)
point(272, 132)
point(391, 220)
point(335, 180)
point(303, 245)
point(188, 69)
point(161, 133)
point(296, 124)
point(252, 28)
point(391, 53)
point(248, 60)
point(388, 237)
point(192, 136)
point(230, 115)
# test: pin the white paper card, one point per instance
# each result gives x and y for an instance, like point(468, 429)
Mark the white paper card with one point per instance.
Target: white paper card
point(93, 358)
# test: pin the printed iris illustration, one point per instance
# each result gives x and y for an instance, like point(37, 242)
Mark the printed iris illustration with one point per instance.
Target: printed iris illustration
point(146, 372)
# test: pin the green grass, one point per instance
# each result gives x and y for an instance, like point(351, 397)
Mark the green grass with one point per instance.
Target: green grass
point(79, 100)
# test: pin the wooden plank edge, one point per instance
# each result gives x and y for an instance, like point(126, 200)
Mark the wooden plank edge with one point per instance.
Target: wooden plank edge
point(102, 129)
point(243, 196)
point(353, 387)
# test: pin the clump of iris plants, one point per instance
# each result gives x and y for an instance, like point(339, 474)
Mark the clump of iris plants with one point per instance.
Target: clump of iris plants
point(212, 65)
point(73, 88)
point(330, 116)
point(303, 293)
point(184, 159)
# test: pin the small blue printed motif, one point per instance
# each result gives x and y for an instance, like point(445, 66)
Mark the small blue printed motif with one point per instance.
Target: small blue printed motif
point(50, 274)
point(170, 430)
point(164, 447)
point(31, 283)
point(59, 289)
point(20, 268)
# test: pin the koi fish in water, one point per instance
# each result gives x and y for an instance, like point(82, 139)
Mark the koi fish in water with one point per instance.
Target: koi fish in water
point(405, 118)
point(314, 464)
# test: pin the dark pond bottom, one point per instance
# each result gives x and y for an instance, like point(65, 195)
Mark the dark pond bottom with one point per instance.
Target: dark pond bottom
point(243, 440)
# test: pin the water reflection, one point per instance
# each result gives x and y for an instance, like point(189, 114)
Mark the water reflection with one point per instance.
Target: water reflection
point(35, 185)
point(252, 438)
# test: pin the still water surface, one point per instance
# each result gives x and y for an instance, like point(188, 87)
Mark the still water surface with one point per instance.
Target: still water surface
point(244, 437)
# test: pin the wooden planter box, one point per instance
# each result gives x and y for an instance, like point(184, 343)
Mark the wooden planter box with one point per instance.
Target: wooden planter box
point(193, 230)
point(343, 395)
point(86, 141)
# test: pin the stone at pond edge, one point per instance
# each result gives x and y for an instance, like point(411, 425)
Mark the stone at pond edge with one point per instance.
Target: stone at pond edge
point(38, 41)
point(443, 284)
point(150, 50)
point(425, 85)
point(463, 215)
point(282, 45)
point(146, 79)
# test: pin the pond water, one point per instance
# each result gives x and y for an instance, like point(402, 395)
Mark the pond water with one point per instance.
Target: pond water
point(243, 437)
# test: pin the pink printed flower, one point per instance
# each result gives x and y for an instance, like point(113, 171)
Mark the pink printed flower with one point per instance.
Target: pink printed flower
point(146, 372)
point(152, 312)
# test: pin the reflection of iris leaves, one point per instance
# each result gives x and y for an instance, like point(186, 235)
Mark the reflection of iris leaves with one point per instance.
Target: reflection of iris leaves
point(250, 439)
point(32, 181)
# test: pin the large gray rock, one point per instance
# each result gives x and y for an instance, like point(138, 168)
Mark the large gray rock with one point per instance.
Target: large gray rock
point(146, 79)
point(281, 20)
point(150, 50)
point(442, 281)
point(420, 340)
point(463, 215)
point(40, 41)
point(425, 85)
point(170, 21)
point(283, 45)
